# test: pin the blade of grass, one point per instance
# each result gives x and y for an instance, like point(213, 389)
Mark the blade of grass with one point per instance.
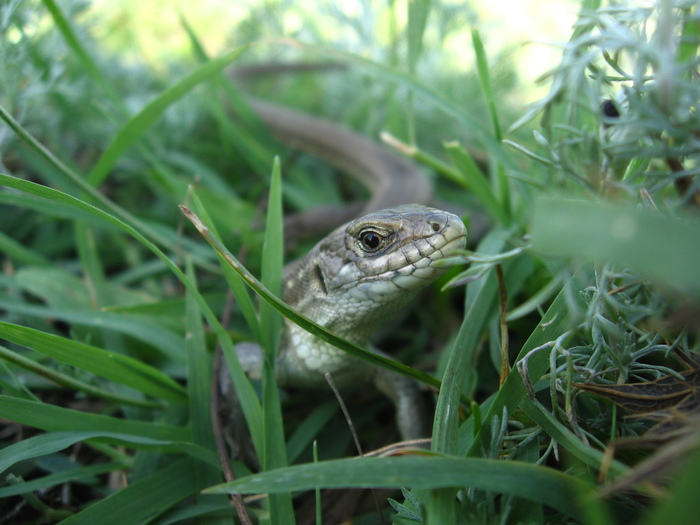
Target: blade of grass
point(235, 282)
point(475, 127)
point(245, 392)
point(418, 11)
point(142, 500)
point(499, 178)
point(682, 504)
point(155, 335)
point(96, 196)
point(115, 367)
point(482, 68)
point(554, 324)
point(562, 435)
point(74, 384)
point(88, 64)
point(199, 371)
point(541, 484)
point(51, 442)
point(480, 306)
point(140, 122)
point(281, 511)
point(661, 248)
point(85, 475)
point(199, 379)
point(17, 251)
point(53, 418)
point(253, 413)
point(272, 262)
point(473, 179)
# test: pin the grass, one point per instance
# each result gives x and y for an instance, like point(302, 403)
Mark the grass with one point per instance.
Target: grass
point(112, 303)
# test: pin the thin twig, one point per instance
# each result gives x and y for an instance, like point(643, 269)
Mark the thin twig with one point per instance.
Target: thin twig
point(224, 460)
point(348, 419)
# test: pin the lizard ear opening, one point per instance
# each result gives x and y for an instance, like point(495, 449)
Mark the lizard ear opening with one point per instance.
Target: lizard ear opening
point(321, 279)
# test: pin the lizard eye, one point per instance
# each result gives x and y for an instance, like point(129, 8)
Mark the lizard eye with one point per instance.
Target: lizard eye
point(371, 240)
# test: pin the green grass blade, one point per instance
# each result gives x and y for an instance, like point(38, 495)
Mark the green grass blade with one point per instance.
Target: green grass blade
point(281, 511)
point(199, 383)
point(52, 442)
point(88, 64)
point(541, 484)
point(682, 504)
point(151, 333)
point(457, 377)
point(223, 337)
point(115, 367)
point(482, 68)
point(72, 383)
point(567, 439)
point(20, 253)
point(77, 475)
point(272, 263)
point(473, 179)
point(661, 248)
point(238, 288)
point(139, 123)
point(199, 371)
point(245, 392)
point(554, 324)
point(418, 12)
point(389, 74)
point(462, 357)
point(143, 499)
point(53, 418)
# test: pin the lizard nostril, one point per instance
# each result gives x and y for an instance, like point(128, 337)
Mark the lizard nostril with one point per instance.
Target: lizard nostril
point(436, 226)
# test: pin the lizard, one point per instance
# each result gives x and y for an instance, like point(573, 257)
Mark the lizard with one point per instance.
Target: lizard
point(347, 283)
point(352, 282)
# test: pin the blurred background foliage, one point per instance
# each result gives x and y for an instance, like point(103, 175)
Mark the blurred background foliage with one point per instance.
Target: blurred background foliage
point(571, 127)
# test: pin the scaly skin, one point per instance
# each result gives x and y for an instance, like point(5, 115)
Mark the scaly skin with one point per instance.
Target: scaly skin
point(353, 282)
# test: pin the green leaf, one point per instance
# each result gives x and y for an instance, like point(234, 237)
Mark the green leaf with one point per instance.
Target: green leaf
point(199, 371)
point(53, 418)
point(563, 436)
point(52, 442)
point(14, 250)
point(142, 500)
point(253, 413)
point(88, 64)
point(553, 325)
point(272, 263)
point(482, 68)
point(76, 475)
point(541, 484)
point(245, 392)
point(281, 511)
point(115, 367)
point(473, 179)
point(418, 11)
point(661, 248)
point(139, 123)
point(682, 504)
point(72, 383)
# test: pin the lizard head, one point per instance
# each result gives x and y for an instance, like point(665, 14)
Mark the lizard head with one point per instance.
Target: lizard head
point(384, 258)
